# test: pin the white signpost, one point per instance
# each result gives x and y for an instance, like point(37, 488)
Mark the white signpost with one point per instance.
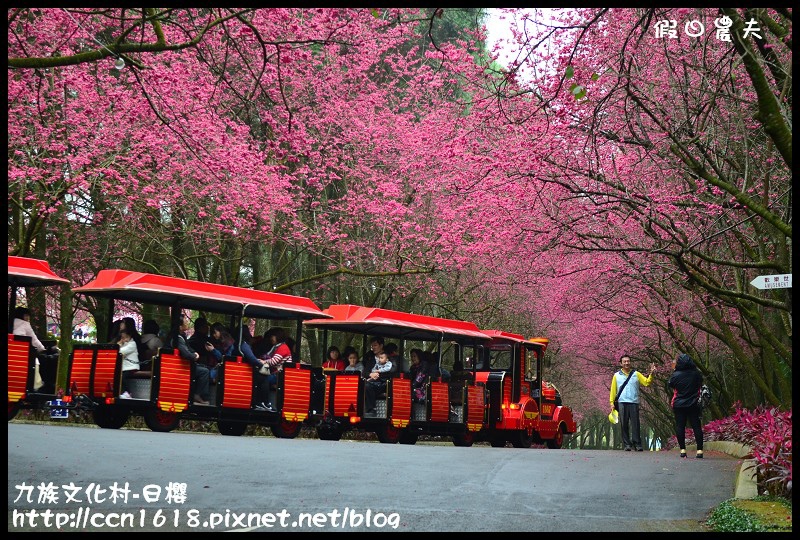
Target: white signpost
point(777, 281)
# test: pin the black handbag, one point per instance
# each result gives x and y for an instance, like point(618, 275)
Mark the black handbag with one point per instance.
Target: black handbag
point(616, 400)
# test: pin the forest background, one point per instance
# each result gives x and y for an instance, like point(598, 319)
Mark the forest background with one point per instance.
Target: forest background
point(615, 187)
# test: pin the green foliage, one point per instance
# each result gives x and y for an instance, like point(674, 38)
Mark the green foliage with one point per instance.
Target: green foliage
point(452, 24)
point(578, 91)
point(731, 516)
point(728, 518)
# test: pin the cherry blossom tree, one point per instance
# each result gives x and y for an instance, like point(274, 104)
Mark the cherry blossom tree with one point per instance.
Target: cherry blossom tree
point(613, 190)
point(669, 164)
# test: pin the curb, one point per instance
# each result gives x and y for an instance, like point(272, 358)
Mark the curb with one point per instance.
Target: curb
point(745, 484)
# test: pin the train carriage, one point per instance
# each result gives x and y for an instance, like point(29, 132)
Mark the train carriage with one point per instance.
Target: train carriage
point(397, 417)
point(164, 394)
point(21, 364)
point(500, 396)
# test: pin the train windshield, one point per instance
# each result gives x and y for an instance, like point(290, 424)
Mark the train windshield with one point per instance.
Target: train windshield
point(500, 356)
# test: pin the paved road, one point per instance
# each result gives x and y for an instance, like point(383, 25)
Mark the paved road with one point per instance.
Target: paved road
point(425, 487)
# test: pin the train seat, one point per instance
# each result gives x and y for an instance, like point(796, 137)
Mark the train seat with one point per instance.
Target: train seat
point(140, 384)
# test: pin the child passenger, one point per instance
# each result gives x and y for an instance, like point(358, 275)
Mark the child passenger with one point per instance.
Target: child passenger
point(376, 385)
point(130, 360)
point(334, 361)
point(354, 365)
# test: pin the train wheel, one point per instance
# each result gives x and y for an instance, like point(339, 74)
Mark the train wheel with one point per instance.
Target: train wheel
point(234, 429)
point(286, 430)
point(407, 437)
point(161, 421)
point(466, 439)
point(497, 442)
point(522, 440)
point(388, 434)
point(13, 409)
point(557, 441)
point(110, 417)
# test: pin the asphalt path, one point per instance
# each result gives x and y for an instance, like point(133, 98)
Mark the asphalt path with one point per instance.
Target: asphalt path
point(209, 482)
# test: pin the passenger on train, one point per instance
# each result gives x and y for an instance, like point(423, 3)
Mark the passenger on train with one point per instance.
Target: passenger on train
point(130, 361)
point(198, 341)
point(221, 342)
point(151, 342)
point(220, 345)
point(128, 324)
point(261, 387)
point(178, 341)
point(376, 381)
point(394, 357)
point(431, 362)
point(280, 352)
point(418, 373)
point(22, 327)
point(371, 357)
point(273, 361)
point(354, 365)
point(334, 360)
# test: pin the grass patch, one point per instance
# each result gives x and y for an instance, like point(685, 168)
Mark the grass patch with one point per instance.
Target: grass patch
point(762, 514)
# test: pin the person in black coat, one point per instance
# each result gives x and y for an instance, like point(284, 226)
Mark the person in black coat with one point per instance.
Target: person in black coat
point(198, 340)
point(201, 373)
point(685, 382)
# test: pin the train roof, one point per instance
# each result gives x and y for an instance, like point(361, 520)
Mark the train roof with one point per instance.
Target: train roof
point(500, 335)
point(396, 324)
point(225, 299)
point(27, 272)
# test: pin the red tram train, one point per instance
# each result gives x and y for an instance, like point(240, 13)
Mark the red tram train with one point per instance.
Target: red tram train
point(500, 396)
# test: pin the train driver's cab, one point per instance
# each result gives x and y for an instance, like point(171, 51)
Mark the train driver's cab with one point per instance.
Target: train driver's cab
point(500, 357)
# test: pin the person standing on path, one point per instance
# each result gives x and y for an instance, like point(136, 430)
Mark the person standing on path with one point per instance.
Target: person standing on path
point(685, 382)
point(629, 401)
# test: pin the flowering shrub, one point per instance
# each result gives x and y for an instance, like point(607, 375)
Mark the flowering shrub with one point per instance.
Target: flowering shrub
point(768, 432)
